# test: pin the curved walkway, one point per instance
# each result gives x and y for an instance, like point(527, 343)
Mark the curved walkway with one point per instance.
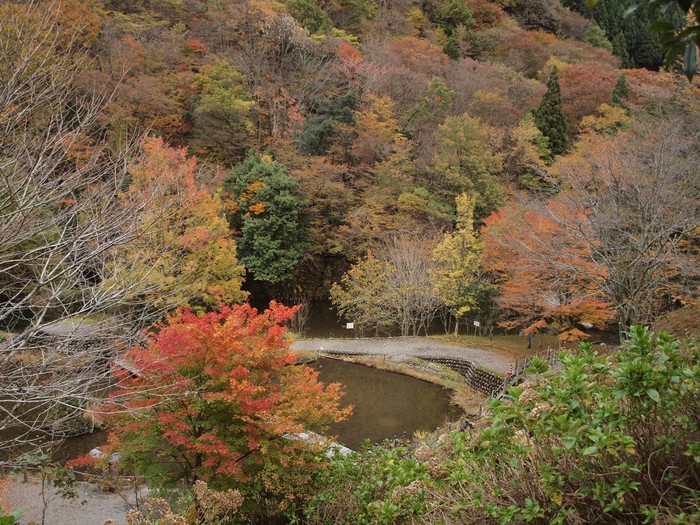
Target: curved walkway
point(400, 348)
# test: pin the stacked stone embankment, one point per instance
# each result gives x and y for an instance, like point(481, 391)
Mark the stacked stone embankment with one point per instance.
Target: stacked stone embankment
point(477, 378)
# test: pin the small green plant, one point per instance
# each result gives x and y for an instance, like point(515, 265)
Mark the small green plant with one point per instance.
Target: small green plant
point(10, 519)
point(609, 439)
point(56, 480)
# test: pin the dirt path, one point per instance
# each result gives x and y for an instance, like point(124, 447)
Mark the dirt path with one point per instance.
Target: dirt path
point(91, 507)
point(400, 348)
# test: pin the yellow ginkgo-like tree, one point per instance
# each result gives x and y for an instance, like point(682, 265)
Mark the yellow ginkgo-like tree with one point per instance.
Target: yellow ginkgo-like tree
point(457, 259)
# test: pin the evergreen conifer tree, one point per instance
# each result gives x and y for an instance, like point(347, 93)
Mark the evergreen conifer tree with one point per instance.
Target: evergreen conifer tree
point(621, 93)
point(549, 117)
point(619, 45)
point(451, 49)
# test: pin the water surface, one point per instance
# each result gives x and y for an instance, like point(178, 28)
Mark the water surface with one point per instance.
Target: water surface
point(386, 404)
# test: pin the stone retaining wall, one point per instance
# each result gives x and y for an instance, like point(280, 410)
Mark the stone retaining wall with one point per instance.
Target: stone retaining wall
point(477, 378)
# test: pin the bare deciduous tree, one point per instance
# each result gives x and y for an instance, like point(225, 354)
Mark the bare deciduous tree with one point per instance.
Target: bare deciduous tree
point(637, 196)
point(412, 299)
point(392, 289)
point(67, 297)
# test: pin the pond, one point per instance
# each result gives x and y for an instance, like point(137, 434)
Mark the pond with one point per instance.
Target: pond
point(386, 404)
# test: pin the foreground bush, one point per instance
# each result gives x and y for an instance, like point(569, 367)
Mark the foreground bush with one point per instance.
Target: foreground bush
point(215, 398)
point(607, 439)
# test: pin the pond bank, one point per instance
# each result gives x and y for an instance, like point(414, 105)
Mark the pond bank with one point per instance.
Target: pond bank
point(482, 370)
point(463, 396)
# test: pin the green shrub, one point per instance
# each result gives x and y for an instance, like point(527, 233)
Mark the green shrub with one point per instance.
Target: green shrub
point(606, 439)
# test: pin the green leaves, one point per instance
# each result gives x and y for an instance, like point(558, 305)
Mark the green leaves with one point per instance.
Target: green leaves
point(222, 125)
point(653, 394)
point(568, 442)
point(268, 217)
point(11, 519)
point(679, 40)
point(693, 451)
point(322, 129)
point(589, 451)
point(566, 445)
point(690, 59)
point(457, 259)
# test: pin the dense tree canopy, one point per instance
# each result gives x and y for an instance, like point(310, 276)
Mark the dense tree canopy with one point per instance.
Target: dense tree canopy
point(267, 213)
point(191, 256)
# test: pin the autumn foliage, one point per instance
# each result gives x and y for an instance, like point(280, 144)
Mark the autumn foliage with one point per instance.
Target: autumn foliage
point(215, 398)
point(189, 255)
point(545, 274)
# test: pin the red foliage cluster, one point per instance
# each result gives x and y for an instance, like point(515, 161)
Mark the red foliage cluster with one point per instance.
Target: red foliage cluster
point(212, 397)
point(544, 272)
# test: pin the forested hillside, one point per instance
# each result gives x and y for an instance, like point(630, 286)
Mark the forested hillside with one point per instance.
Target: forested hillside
point(346, 127)
point(525, 163)
point(330, 130)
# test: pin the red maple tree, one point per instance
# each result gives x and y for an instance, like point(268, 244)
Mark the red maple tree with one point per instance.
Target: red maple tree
point(216, 397)
point(545, 274)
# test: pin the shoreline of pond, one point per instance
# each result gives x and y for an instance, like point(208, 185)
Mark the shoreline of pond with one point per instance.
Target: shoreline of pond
point(404, 348)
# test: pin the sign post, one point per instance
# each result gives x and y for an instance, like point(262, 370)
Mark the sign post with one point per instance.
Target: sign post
point(477, 324)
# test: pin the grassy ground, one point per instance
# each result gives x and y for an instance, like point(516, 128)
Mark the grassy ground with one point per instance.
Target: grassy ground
point(306, 355)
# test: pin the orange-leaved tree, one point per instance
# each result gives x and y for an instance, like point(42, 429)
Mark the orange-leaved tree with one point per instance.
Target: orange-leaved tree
point(544, 272)
point(188, 255)
point(216, 397)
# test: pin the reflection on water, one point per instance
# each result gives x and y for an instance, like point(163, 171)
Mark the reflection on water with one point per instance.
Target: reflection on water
point(386, 404)
point(324, 322)
point(79, 446)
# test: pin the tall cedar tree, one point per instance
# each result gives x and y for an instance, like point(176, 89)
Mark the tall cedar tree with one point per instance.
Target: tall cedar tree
point(621, 93)
point(550, 118)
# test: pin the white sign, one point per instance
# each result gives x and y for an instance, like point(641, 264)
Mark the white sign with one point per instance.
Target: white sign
point(477, 323)
point(350, 326)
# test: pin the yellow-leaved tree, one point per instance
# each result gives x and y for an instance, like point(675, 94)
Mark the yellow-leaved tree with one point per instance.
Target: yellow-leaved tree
point(188, 254)
point(457, 259)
